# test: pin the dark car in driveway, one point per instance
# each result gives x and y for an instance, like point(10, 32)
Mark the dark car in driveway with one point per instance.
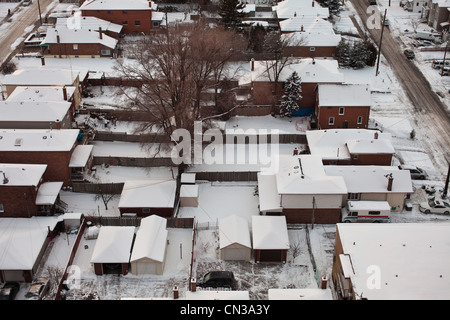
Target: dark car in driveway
point(9, 290)
point(409, 54)
point(218, 279)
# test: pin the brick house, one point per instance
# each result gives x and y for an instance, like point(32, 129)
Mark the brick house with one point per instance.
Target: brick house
point(343, 106)
point(108, 28)
point(135, 16)
point(309, 37)
point(38, 146)
point(62, 42)
point(301, 191)
point(20, 190)
point(351, 146)
point(311, 71)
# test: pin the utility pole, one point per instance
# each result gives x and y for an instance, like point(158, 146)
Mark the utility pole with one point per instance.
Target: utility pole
point(313, 209)
point(381, 39)
point(443, 62)
point(39, 8)
point(444, 192)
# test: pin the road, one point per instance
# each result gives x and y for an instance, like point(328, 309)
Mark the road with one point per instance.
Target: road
point(428, 110)
point(21, 20)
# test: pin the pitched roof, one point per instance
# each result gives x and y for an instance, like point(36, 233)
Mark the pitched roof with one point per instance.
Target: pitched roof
point(270, 232)
point(78, 36)
point(88, 23)
point(234, 229)
point(148, 194)
point(113, 245)
point(151, 239)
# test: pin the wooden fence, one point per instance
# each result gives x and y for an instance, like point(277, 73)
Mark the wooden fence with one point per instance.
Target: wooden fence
point(183, 223)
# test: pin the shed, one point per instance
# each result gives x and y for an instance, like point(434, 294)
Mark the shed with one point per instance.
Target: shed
point(150, 247)
point(270, 238)
point(189, 195)
point(234, 237)
point(188, 178)
point(112, 250)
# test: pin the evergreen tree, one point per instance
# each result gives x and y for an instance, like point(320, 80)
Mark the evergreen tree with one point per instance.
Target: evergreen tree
point(291, 96)
point(231, 13)
point(335, 7)
point(343, 53)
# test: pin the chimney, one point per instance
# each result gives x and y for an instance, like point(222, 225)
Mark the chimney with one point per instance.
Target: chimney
point(295, 153)
point(193, 285)
point(390, 181)
point(43, 61)
point(375, 135)
point(313, 4)
point(150, 3)
point(5, 179)
point(175, 292)
point(295, 14)
point(64, 90)
point(252, 64)
point(323, 282)
point(100, 32)
point(301, 29)
point(57, 38)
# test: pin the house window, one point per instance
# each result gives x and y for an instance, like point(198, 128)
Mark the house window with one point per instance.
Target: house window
point(137, 23)
point(75, 47)
point(155, 24)
point(110, 11)
point(331, 121)
point(312, 49)
point(1, 208)
point(353, 196)
point(146, 210)
point(106, 52)
point(341, 111)
point(124, 11)
point(359, 120)
point(355, 157)
point(125, 22)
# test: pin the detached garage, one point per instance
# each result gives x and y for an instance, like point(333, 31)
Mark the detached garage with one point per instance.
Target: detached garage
point(112, 250)
point(150, 247)
point(234, 237)
point(270, 238)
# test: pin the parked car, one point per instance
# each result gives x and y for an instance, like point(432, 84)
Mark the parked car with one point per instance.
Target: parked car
point(37, 289)
point(409, 54)
point(9, 290)
point(218, 279)
point(26, 3)
point(416, 172)
point(435, 206)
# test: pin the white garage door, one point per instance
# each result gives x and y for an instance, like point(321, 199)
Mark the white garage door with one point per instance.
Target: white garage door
point(235, 254)
point(146, 268)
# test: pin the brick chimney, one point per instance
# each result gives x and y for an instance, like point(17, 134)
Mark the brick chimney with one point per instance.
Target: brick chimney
point(43, 61)
point(252, 64)
point(193, 285)
point(323, 282)
point(375, 135)
point(64, 90)
point(175, 292)
point(313, 4)
point(100, 32)
point(390, 182)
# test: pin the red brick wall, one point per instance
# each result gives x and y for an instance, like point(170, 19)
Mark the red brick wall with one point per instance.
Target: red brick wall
point(372, 159)
point(18, 201)
point(57, 163)
point(350, 116)
point(306, 52)
point(262, 94)
point(62, 50)
point(321, 216)
point(118, 17)
point(162, 212)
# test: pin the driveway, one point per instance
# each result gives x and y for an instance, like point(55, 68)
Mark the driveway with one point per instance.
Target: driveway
point(427, 109)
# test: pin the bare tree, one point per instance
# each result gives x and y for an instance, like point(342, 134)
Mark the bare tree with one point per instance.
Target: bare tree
point(176, 71)
point(276, 61)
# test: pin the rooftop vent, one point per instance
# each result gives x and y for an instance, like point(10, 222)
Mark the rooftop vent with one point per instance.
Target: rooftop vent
point(18, 142)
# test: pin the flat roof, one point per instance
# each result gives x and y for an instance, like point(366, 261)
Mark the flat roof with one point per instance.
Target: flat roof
point(38, 139)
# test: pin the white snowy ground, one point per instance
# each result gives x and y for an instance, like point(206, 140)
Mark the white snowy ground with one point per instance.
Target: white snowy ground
point(390, 111)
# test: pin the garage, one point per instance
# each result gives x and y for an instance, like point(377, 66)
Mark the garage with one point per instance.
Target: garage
point(234, 238)
point(270, 238)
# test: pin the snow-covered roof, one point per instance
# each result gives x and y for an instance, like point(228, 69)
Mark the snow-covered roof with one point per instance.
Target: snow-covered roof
point(290, 9)
point(372, 179)
point(305, 174)
point(300, 294)
point(43, 76)
point(369, 205)
point(15, 174)
point(344, 95)
point(113, 245)
point(151, 239)
point(78, 36)
point(187, 177)
point(270, 232)
point(307, 24)
point(21, 241)
point(80, 156)
point(36, 111)
point(36, 93)
point(189, 191)
point(313, 39)
point(118, 5)
point(88, 23)
point(38, 139)
point(332, 143)
point(48, 192)
point(269, 198)
point(148, 194)
point(411, 259)
point(310, 70)
point(234, 230)
point(371, 146)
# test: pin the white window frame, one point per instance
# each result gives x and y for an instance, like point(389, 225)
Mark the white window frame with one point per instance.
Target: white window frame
point(331, 121)
point(360, 119)
point(75, 46)
point(312, 49)
point(2, 209)
point(343, 110)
